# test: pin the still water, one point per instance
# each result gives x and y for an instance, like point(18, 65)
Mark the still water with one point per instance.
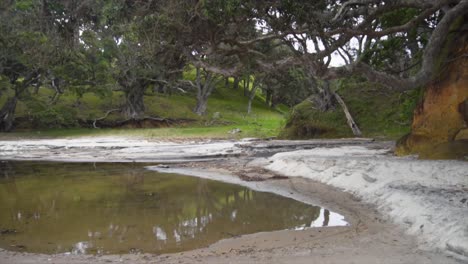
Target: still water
point(117, 208)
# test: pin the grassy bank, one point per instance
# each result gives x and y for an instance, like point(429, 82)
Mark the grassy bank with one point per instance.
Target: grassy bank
point(227, 111)
point(379, 113)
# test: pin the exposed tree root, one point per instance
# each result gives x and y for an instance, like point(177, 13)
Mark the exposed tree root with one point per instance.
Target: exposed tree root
point(105, 116)
point(141, 122)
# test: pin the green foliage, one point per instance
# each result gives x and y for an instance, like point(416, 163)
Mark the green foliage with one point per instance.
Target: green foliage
point(306, 122)
point(398, 17)
point(399, 52)
point(408, 102)
point(87, 50)
point(377, 112)
point(290, 86)
point(212, 9)
point(45, 116)
point(24, 5)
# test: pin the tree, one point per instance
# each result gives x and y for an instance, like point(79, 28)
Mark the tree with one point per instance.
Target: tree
point(286, 46)
point(26, 52)
point(205, 83)
point(146, 51)
point(394, 43)
point(41, 47)
point(288, 86)
point(315, 31)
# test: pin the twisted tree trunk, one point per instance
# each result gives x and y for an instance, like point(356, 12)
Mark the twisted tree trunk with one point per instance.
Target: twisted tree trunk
point(235, 84)
point(252, 95)
point(201, 106)
point(134, 104)
point(246, 85)
point(7, 114)
point(268, 97)
point(204, 90)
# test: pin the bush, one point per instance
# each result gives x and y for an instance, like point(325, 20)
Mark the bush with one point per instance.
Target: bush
point(44, 116)
point(305, 122)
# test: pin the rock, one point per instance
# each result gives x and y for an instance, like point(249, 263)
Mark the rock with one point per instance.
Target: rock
point(443, 114)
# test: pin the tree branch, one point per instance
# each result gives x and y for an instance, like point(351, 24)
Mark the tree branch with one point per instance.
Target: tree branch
point(432, 51)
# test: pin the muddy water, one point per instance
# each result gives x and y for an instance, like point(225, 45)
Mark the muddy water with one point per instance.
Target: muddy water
point(115, 208)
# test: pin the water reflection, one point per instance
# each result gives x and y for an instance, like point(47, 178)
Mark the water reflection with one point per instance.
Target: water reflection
point(122, 208)
point(81, 247)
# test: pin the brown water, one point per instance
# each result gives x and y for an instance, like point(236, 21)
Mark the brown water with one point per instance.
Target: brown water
point(116, 208)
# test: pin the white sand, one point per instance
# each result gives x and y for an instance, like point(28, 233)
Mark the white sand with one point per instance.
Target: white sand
point(428, 198)
point(114, 149)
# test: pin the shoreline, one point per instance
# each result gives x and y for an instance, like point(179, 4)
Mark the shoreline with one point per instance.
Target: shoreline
point(370, 238)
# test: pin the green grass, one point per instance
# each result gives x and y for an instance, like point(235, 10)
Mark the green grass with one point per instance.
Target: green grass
point(39, 119)
point(267, 129)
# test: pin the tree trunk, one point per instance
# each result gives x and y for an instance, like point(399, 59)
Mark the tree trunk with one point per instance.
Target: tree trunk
point(160, 88)
point(246, 86)
point(249, 106)
point(134, 104)
point(202, 105)
point(204, 90)
point(251, 97)
point(235, 84)
point(7, 114)
point(349, 118)
point(274, 102)
point(324, 100)
point(268, 96)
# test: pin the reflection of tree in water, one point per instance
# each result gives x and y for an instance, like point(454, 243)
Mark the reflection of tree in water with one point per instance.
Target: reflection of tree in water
point(6, 170)
point(241, 210)
point(122, 206)
point(7, 174)
point(326, 217)
point(132, 179)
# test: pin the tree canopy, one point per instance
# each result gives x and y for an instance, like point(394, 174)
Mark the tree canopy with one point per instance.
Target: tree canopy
point(100, 46)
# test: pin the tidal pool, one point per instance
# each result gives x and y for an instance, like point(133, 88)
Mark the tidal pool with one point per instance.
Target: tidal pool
point(118, 208)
